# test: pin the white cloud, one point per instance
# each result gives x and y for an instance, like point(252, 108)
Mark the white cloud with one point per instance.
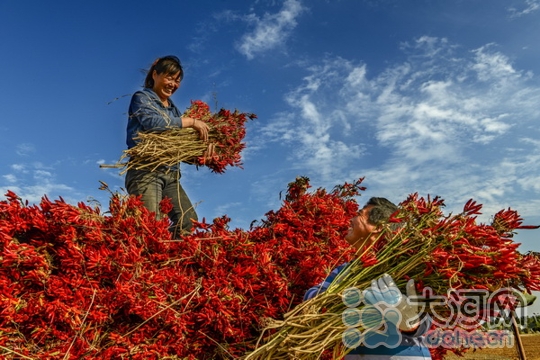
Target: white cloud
point(492, 65)
point(271, 31)
point(18, 167)
point(530, 6)
point(10, 178)
point(32, 181)
point(310, 125)
point(24, 149)
point(42, 174)
point(444, 122)
point(34, 193)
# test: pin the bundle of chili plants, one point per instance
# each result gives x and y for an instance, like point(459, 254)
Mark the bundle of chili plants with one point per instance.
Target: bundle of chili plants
point(445, 253)
point(172, 146)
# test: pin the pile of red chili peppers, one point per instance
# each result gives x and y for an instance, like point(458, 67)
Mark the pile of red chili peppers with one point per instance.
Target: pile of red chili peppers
point(79, 283)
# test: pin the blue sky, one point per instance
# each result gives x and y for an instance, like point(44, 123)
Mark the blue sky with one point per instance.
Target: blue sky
point(434, 97)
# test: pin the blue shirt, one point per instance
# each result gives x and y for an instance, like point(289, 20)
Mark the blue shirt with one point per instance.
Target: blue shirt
point(411, 347)
point(148, 113)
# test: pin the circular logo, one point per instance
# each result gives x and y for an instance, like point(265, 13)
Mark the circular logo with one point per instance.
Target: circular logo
point(351, 317)
point(351, 338)
point(352, 297)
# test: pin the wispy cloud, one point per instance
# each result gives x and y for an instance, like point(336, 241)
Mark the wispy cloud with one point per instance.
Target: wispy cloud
point(445, 121)
point(32, 181)
point(10, 178)
point(529, 7)
point(271, 31)
point(24, 149)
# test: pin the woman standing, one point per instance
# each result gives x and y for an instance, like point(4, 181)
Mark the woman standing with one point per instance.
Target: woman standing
point(151, 109)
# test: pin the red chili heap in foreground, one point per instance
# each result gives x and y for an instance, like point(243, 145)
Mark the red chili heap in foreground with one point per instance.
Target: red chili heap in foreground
point(76, 283)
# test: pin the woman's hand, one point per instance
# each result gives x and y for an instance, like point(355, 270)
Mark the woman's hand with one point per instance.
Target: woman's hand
point(201, 127)
point(209, 153)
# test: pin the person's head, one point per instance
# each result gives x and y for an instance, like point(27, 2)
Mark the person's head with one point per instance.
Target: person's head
point(366, 226)
point(164, 76)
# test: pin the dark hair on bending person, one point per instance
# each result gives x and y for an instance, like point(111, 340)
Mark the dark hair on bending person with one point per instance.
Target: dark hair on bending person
point(170, 65)
point(381, 211)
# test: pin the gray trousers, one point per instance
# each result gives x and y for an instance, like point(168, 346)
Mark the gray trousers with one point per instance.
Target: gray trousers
point(154, 187)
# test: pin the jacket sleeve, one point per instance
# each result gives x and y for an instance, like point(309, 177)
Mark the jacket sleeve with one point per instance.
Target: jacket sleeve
point(150, 114)
point(315, 290)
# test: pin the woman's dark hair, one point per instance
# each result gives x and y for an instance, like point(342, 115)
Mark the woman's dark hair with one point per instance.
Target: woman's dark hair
point(169, 65)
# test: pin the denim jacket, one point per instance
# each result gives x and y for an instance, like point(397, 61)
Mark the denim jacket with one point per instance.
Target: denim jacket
point(148, 113)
